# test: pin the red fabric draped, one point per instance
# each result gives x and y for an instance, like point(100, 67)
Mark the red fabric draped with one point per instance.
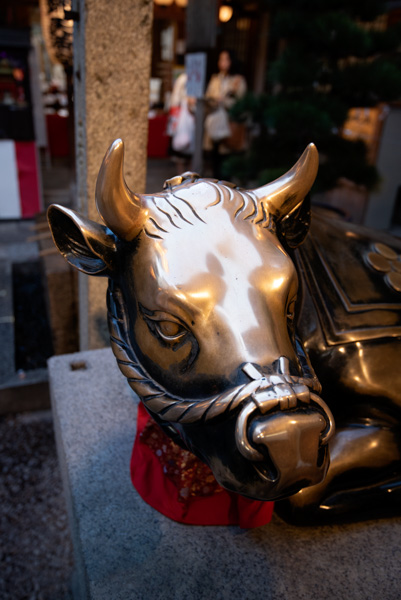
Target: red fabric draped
point(181, 487)
point(28, 178)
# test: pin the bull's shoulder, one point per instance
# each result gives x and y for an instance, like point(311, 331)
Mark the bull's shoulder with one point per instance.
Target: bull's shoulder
point(353, 275)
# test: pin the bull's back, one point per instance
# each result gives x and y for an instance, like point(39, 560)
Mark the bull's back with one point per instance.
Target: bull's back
point(350, 320)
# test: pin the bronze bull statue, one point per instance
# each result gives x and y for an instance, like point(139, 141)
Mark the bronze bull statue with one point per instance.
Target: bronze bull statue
point(217, 314)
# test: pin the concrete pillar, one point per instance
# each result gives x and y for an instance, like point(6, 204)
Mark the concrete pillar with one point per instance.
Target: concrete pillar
point(112, 57)
point(201, 28)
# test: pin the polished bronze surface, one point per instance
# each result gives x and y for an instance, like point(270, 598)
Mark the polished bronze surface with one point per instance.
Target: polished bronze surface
point(387, 260)
point(394, 281)
point(211, 306)
point(385, 251)
point(378, 262)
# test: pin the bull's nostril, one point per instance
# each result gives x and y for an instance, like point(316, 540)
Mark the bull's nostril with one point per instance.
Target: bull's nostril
point(267, 471)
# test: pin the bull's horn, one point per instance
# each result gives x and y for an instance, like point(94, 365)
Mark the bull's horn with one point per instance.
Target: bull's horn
point(120, 208)
point(283, 195)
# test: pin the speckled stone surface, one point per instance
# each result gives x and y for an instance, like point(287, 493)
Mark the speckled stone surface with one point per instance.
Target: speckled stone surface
point(112, 58)
point(126, 550)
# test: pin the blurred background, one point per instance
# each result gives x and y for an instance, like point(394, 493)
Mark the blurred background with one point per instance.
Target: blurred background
point(300, 71)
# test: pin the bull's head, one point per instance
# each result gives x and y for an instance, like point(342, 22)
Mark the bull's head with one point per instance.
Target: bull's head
point(202, 301)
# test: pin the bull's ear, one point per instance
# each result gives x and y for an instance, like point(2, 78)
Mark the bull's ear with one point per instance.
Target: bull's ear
point(294, 227)
point(86, 245)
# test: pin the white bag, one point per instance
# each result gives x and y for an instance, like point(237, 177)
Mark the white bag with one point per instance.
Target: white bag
point(217, 125)
point(184, 137)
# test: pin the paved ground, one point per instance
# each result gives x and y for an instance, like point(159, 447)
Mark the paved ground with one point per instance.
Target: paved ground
point(35, 548)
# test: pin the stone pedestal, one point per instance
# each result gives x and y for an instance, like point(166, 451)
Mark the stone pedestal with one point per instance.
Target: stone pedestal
point(126, 550)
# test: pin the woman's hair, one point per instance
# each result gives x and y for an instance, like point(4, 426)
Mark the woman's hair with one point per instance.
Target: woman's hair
point(235, 68)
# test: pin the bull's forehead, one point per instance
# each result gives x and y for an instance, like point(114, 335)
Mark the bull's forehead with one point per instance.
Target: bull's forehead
point(212, 260)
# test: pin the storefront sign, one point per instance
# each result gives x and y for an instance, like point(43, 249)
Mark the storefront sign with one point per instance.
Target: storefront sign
point(195, 66)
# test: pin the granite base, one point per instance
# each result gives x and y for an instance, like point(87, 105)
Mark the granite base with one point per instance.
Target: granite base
point(125, 550)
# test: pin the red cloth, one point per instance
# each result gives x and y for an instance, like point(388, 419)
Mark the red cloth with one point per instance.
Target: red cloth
point(57, 135)
point(157, 137)
point(181, 487)
point(28, 179)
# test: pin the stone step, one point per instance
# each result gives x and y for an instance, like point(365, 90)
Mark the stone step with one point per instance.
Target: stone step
point(125, 550)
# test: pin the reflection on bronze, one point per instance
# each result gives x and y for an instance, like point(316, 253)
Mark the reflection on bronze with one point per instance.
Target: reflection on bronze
point(215, 313)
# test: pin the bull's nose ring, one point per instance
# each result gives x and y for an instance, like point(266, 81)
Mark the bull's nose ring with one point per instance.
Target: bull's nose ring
point(241, 429)
point(241, 436)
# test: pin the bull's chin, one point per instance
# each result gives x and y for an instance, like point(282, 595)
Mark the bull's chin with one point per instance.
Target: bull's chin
point(282, 487)
point(264, 486)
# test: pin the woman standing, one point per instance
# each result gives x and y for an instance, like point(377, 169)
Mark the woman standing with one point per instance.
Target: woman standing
point(224, 89)
point(181, 124)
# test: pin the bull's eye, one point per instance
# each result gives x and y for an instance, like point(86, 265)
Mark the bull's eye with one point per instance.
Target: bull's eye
point(165, 326)
point(169, 330)
point(172, 333)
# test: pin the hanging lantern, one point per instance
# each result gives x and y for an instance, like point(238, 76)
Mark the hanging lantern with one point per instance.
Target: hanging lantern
point(225, 13)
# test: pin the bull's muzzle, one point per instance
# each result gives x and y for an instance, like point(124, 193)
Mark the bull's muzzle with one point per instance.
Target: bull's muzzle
point(284, 429)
